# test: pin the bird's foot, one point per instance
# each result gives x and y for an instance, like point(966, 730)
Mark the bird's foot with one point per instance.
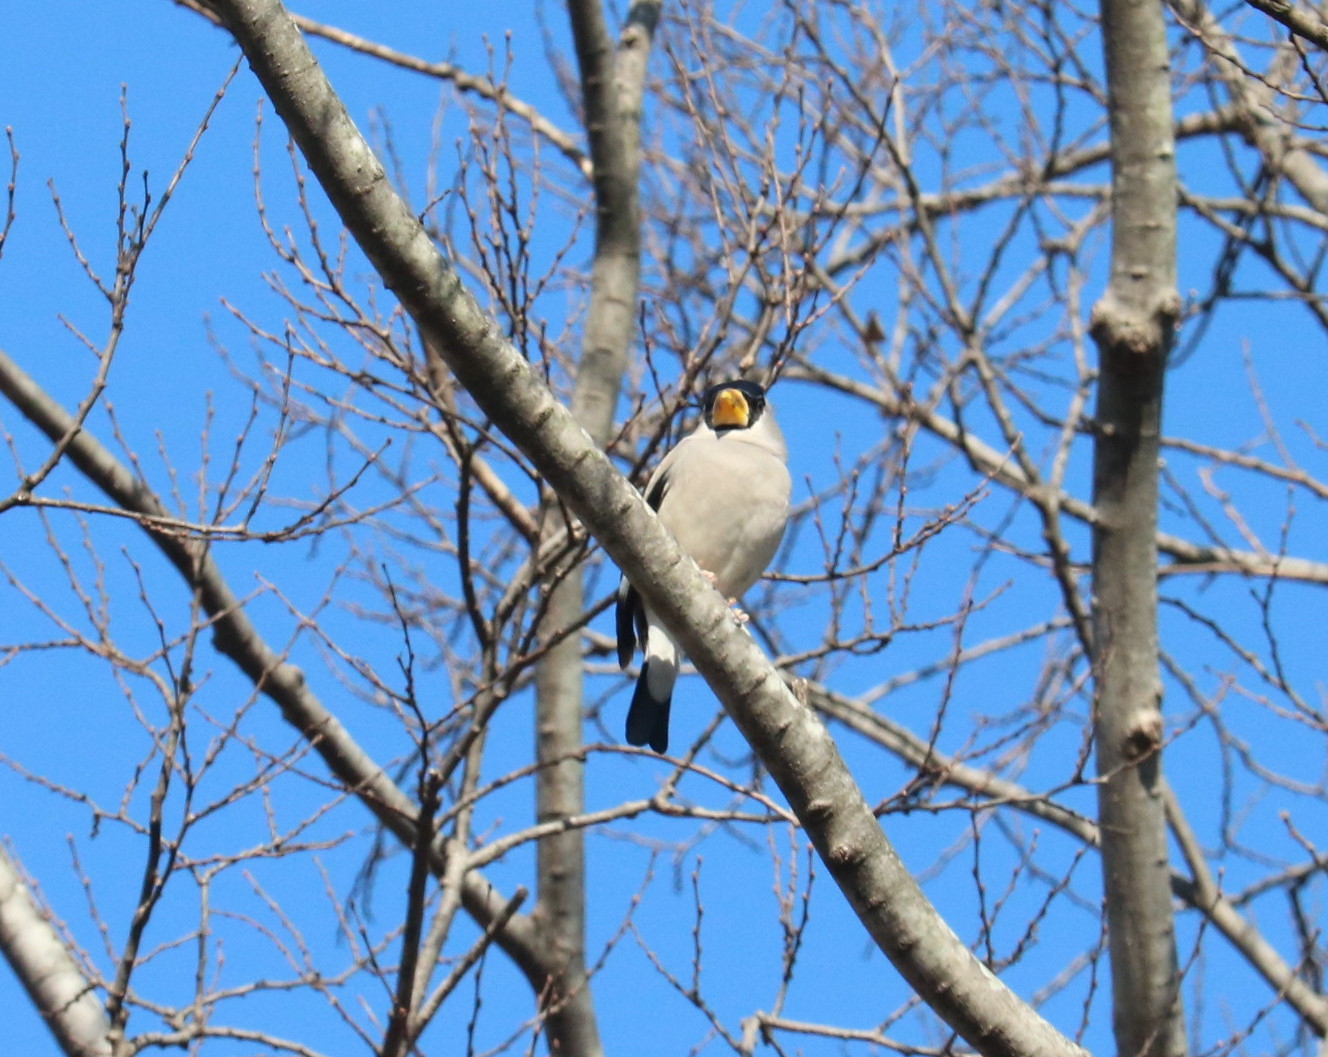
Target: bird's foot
point(739, 616)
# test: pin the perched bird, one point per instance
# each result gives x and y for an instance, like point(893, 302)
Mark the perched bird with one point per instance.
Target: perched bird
point(724, 493)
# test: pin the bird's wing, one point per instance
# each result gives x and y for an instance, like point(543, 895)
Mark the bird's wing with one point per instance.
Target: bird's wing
point(661, 479)
point(629, 615)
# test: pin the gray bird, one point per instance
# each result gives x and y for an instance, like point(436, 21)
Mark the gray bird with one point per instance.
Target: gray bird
point(724, 493)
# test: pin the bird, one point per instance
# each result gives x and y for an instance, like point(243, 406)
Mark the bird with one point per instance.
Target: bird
point(723, 491)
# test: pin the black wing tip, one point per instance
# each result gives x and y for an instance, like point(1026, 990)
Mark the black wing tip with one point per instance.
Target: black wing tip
point(625, 617)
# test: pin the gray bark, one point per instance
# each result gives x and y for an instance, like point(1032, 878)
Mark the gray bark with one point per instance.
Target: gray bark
point(611, 113)
point(1132, 326)
point(63, 996)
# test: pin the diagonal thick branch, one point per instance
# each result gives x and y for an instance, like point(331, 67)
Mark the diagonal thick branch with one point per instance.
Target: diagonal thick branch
point(49, 973)
point(1311, 27)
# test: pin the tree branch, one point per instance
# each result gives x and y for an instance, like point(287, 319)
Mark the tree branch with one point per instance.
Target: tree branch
point(1133, 325)
point(612, 113)
point(64, 997)
point(235, 637)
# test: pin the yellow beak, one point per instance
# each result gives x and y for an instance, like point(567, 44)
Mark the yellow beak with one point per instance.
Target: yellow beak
point(730, 410)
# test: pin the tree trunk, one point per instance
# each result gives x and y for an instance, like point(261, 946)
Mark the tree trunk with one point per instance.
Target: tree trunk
point(611, 92)
point(1133, 325)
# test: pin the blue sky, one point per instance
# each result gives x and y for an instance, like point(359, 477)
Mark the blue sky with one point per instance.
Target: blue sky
point(60, 93)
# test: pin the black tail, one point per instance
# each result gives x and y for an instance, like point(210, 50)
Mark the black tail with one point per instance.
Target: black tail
point(648, 718)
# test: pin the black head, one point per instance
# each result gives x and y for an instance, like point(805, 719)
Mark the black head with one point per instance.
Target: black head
point(733, 405)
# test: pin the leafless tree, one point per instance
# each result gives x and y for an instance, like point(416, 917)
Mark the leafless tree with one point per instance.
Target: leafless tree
point(357, 723)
